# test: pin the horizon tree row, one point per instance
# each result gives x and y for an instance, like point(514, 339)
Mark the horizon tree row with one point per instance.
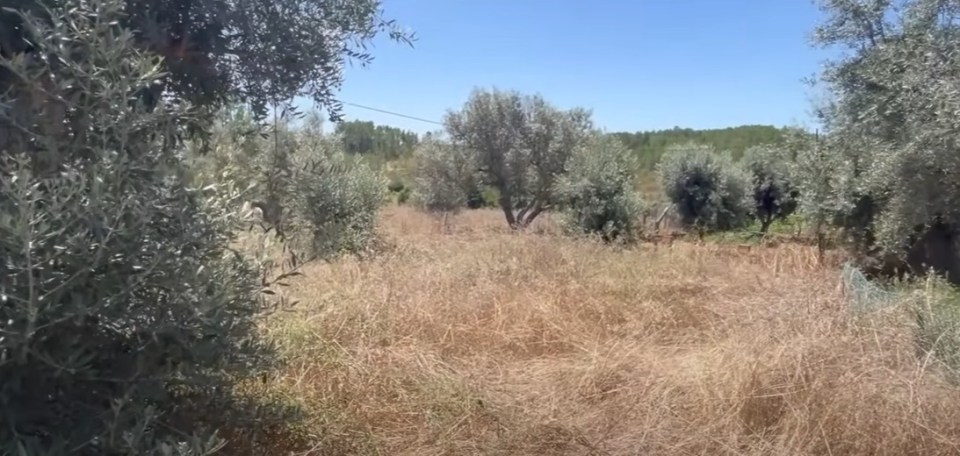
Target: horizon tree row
point(539, 158)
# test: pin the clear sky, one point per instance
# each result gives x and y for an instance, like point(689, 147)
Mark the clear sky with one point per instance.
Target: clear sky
point(638, 64)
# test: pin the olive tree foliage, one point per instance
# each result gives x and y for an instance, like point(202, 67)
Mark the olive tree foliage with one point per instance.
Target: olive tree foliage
point(316, 197)
point(335, 197)
point(596, 193)
point(445, 174)
point(710, 191)
point(521, 144)
point(256, 52)
point(125, 320)
point(825, 170)
point(894, 118)
point(773, 188)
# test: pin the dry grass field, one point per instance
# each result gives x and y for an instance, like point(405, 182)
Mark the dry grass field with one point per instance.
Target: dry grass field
point(481, 341)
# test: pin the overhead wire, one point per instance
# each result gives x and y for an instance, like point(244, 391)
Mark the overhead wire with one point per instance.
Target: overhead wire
point(384, 111)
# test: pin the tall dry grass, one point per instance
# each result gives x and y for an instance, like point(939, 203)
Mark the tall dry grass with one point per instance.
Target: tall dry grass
point(483, 341)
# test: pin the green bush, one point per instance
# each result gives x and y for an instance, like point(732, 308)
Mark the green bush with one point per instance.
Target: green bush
point(127, 322)
point(475, 198)
point(307, 188)
point(483, 196)
point(490, 197)
point(335, 198)
point(445, 175)
point(399, 191)
point(774, 192)
point(596, 194)
point(710, 191)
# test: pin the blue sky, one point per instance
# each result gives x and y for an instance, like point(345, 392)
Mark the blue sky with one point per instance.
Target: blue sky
point(638, 64)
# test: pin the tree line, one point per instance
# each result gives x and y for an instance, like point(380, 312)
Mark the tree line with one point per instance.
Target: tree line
point(366, 138)
point(541, 158)
point(390, 143)
point(650, 146)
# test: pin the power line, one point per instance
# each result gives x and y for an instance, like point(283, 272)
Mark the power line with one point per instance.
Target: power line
point(392, 113)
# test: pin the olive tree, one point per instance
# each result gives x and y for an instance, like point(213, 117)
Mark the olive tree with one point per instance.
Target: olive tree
point(127, 321)
point(521, 144)
point(445, 174)
point(257, 52)
point(596, 195)
point(709, 190)
point(321, 200)
point(335, 198)
point(773, 188)
point(895, 122)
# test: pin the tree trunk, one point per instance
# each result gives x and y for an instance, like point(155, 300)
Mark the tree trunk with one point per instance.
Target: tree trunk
point(529, 214)
point(765, 225)
point(820, 242)
point(507, 208)
point(443, 223)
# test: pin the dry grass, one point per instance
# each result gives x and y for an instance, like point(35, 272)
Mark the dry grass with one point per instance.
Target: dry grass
point(488, 342)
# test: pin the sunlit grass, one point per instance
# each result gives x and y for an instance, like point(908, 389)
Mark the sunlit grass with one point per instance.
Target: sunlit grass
point(485, 341)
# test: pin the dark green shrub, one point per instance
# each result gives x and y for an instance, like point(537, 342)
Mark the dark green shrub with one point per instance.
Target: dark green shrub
point(482, 196)
point(709, 190)
point(475, 198)
point(774, 192)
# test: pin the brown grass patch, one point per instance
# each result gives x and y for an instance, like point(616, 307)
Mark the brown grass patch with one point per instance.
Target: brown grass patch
point(484, 341)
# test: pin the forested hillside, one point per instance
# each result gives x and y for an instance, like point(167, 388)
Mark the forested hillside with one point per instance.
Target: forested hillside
point(386, 142)
point(650, 145)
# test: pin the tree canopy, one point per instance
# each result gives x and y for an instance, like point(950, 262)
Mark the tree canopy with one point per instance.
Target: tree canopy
point(710, 191)
point(596, 194)
point(127, 322)
point(522, 144)
point(773, 189)
point(893, 117)
point(251, 51)
point(444, 177)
